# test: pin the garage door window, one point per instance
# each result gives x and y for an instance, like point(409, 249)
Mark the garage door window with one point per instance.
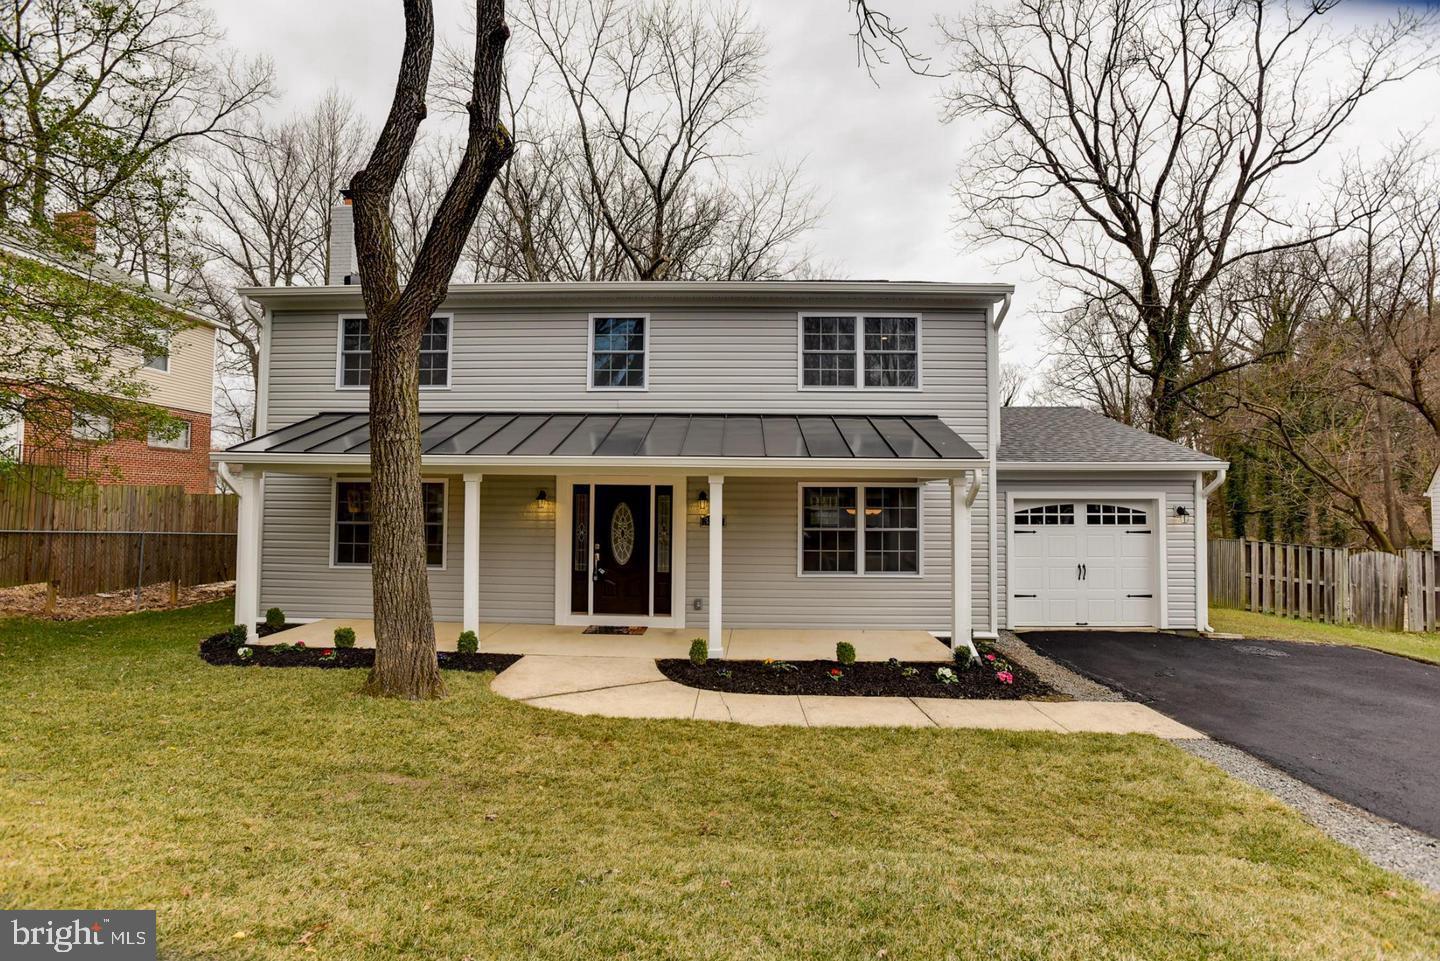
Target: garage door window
point(1113, 515)
point(1046, 515)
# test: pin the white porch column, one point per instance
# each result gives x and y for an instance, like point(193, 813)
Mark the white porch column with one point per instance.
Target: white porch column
point(962, 494)
point(717, 538)
point(247, 548)
point(471, 593)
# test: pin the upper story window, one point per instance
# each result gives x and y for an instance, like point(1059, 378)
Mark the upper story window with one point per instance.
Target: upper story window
point(619, 347)
point(159, 361)
point(856, 350)
point(354, 362)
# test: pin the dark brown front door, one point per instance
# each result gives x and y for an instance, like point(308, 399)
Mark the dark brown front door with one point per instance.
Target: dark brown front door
point(622, 544)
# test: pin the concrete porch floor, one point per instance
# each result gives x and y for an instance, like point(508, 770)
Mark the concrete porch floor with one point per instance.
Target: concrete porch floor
point(739, 643)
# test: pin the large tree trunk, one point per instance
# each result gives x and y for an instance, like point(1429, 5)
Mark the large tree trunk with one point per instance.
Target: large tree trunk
point(404, 624)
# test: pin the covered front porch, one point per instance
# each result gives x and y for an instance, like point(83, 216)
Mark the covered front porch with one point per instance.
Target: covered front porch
point(770, 535)
point(656, 642)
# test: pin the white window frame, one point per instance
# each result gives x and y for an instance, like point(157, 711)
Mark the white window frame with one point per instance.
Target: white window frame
point(337, 479)
point(859, 317)
point(860, 488)
point(186, 435)
point(590, 384)
point(340, 353)
point(98, 437)
point(149, 361)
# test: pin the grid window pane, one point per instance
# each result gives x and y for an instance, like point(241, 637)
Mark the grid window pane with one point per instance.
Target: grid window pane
point(352, 522)
point(355, 353)
point(892, 357)
point(828, 538)
point(1047, 515)
point(892, 530)
point(829, 351)
point(619, 356)
point(1113, 515)
point(435, 353)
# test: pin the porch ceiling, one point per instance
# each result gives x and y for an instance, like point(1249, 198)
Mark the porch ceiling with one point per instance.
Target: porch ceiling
point(702, 441)
point(656, 642)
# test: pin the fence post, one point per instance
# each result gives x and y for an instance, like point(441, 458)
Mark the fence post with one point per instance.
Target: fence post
point(140, 571)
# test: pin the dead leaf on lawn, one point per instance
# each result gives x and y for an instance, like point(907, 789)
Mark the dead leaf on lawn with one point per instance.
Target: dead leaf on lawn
point(309, 933)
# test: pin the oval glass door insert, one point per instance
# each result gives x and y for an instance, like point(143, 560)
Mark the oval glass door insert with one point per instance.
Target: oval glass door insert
point(622, 534)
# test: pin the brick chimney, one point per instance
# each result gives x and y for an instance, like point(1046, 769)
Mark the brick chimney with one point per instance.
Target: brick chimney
point(343, 268)
point(77, 228)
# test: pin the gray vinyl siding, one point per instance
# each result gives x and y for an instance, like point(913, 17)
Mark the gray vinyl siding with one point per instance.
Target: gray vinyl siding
point(762, 586)
point(713, 360)
point(517, 553)
point(1179, 489)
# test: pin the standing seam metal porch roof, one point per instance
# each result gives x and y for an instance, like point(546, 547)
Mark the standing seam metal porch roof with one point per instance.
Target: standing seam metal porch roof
point(580, 435)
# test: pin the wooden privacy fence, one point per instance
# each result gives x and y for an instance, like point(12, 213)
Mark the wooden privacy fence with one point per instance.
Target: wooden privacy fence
point(1329, 584)
point(87, 539)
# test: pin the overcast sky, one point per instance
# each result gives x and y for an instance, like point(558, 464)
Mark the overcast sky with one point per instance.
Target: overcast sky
point(879, 156)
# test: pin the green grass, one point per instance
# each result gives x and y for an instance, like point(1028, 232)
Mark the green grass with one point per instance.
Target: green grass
point(266, 812)
point(1424, 647)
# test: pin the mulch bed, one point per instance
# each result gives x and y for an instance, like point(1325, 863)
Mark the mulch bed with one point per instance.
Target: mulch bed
point(219, 649)
point(861, 679)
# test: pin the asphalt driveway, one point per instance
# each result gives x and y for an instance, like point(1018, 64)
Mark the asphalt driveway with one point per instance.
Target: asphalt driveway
point(1357, 724)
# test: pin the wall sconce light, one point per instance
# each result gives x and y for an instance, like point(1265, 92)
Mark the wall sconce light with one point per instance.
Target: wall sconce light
point(704, 502)
point(1182, 513)
point(541, 498)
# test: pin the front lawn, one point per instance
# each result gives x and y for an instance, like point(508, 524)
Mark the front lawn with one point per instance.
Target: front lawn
point(1424, 647)
point(275, 814)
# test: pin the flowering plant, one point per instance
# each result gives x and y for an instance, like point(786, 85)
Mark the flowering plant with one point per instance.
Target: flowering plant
point(300, 644)
point(328, 654)
point(836, 674)
point(946, 676)
point(1005, 677)
point(775, 665)
point(244, 653)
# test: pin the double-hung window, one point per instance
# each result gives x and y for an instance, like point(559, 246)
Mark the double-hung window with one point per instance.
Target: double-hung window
point(860, 530)
point(352, 523)
point(858, 350)
point(179, 441)
point(354, 365)
point(618, 349)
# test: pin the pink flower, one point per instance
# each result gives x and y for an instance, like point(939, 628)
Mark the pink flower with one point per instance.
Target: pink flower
point(989, 657)
point(836, 672)
point(1005, 677)
point(327, 652)
point(299, 643)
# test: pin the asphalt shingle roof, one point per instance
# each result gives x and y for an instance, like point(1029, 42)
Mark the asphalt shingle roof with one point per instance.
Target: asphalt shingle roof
point(1066, 435)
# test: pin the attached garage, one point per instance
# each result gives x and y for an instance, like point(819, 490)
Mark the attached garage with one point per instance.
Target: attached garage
point(1084, 563)
point(1100, 526)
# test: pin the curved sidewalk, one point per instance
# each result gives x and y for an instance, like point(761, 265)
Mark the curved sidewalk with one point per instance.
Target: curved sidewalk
point(634, 687)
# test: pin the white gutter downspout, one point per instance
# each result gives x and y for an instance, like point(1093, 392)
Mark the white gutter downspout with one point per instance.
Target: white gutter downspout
point(1004, 311)
point(1202, 547)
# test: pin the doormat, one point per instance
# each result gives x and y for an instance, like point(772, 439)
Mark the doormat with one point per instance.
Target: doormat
point(612, 629)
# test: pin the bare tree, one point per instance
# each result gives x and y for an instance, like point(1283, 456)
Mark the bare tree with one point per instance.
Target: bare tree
point(1137, 145)
point(94, 92)
point(405, 663)
point(265, 196)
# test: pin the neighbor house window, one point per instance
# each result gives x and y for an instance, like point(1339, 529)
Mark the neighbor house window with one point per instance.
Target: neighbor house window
point(180, 441)
point(855, 350)
point(355, 352)
point(159, 361)
point(860, 530)
point(91, 427)
point(617, 352)
point(352, 522)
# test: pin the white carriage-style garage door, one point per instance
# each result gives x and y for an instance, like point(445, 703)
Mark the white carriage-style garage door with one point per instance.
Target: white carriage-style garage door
point(1084, 563)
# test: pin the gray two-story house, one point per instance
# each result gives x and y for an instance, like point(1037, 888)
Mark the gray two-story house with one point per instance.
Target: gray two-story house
point(708, 456)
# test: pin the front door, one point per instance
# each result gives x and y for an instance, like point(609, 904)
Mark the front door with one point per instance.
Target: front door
point(621, 565)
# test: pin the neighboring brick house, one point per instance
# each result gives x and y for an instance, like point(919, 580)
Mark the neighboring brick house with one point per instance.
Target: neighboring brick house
point(182, 382)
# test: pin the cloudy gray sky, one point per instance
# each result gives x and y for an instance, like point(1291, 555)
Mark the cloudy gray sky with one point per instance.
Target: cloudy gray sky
point(878, 155)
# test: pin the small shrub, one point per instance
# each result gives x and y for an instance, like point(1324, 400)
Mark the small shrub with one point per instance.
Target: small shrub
point(908, 671)
point(699, 652)
point(963, 658)
point(344, 637)
point(468, 643)
point(275, 619)
point(845, 653)
point(282, 648)
point(238, 634)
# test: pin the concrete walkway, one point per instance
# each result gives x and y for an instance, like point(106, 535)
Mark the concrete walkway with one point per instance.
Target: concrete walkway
point(634, 687)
